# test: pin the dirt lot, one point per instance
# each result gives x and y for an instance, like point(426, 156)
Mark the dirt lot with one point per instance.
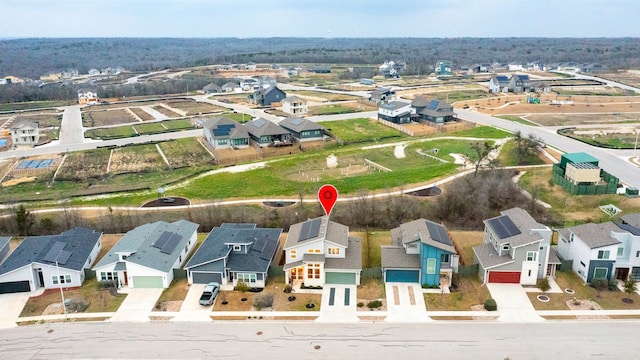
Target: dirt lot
point(42, 118)
point(163, 110)
point(136, 159)
point(195, 107)
point(84, 165)
point(185, 152)
point(106, 117)
point(628, 77)
point(582, 119)
point(145, 116)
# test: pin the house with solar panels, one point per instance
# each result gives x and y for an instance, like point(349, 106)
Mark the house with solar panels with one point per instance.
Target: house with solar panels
point(265, 133)
point(302, 129)
point(234, 252)
point(516, 249)
point(422, 252)
point(224, 133)
point(519, 83)
point(50, 262)
point(319, 252)
point(499, 83)
point(434, 111)
point(146, 256)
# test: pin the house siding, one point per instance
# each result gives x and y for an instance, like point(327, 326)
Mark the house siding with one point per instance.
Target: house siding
point(593, 264)
point(429, 252)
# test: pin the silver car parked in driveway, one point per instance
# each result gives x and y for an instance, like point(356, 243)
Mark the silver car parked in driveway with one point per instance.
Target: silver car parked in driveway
point(209, 293)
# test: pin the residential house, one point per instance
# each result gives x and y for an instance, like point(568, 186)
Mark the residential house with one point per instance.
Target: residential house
point(516, 249)
point(444, 68)
point(93, 72)
point(250, 66)
point(294, 105)
point(539, 86)
point(231, 87)
point(265, 133)
point(499, 83)
point(50, 262)
point(87, 97)
point(290, 71)
point(367, 81)
point(519, 83)
point(10, 79)
point(234, 252)
point(515, 67)
point(435, 111)
point(320, 69)
point(381, 95)
point(319, 251)
point(268, 96)
point(249, 84)
point(421, 252)
point(212, 89)
point(482, 68)
point(302, 129)
point(628, 253)
point(25, 132)
point(146, 256)
point(395, 111)
point(224, 133)
point(392, 69)
point(593, 249)
point(266, 82)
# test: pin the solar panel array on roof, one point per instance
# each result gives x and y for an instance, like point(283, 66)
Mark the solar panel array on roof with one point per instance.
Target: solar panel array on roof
point(297, 121)
point(162, 240)
point(259, 123)
point(438, 233)
point(504, 227)
point(310, 229)
point(171, 244)
point(223, 130)
point(433, 105)
point(56, 253)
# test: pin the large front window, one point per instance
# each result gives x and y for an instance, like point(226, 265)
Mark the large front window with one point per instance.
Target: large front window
point(62, 279)
point(247, 278)
point(334, 251)
point(313, 271)
point(532, 256)
point(600, 273)
point(108, 276)
point(431, 266)
point(603, 254)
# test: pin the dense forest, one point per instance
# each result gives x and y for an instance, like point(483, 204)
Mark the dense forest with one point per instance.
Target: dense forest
point(34, 57)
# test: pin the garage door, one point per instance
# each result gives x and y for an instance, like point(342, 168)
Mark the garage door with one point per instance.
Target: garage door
point(14, 287)
point(511, 277)
point(205, 278)
point(410, 276)
point(147, 282)
point(340, 278)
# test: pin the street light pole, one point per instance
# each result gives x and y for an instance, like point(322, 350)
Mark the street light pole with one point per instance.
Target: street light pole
point(635, 147)
point(64, 306)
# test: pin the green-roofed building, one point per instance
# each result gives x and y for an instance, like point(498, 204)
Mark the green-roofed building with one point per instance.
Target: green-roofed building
point(576, 158)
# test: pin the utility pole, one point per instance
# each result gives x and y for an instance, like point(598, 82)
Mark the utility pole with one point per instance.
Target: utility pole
point(64, 306)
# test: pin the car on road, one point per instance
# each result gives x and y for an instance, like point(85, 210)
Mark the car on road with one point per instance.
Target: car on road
point(209, 293)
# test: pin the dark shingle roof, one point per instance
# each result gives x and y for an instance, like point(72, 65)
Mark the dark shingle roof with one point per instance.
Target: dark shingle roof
point(420, 101)
point(524, 224)
point(259, 127)
point(397, 257)
point(328, 230)
point(394, 105)
point(78, 242)
point(223, 127)
point(488, 257)
point(299, 124)
point(352, 259)
point(428, 232)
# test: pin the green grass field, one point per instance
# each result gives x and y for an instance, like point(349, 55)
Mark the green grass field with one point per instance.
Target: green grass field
point(151, 128)
point(110, 133)
point(179, 124)
point(481, 132)
point(361, 130)
point(331, 109)
point(517, 119)
point(239, 117)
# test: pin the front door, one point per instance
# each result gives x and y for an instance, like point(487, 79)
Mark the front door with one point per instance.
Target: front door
point(126, 278)
point(40, 277)
point(622, 274)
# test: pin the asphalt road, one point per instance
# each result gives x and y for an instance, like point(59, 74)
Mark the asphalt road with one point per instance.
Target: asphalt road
point(71, 131)
point(611, 160)
point(295, 340)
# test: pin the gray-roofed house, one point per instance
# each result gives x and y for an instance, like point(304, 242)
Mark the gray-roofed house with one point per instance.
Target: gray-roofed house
point(266, 133)
point(395, 111)
point(519, 83)
point(302, 129)
point(51, 261)
point(294, 105)
point(234, 252)
point(602, 251)
point(499, 83)
point(516, 249)
point(224, 133)
point(421, 251)
point(435, 111)
point(380, 95)
point(25, 133)
point(231, 86)
point(146, 256)
point(319, 251)
point(267, 96)
point(212, 88)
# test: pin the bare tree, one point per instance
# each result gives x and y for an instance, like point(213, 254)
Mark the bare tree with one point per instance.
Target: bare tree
point(480, 154)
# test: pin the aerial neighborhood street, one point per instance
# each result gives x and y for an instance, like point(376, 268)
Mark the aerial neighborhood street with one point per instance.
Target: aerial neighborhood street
point(344, 190)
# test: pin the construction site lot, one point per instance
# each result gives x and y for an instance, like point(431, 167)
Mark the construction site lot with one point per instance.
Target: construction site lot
point(140, 129)
point(341, 108)
point(106, 117)
point(45, 118)
point(140, 113)
point(448, 93)
point(192, 107)
point(136, 159)
point(619, 138)
point(187, 152)
point(166, 111)
point(321, 96)
point(583, 119)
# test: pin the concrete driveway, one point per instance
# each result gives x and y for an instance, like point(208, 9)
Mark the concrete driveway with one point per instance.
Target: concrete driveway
point(405, 303)
point(12, 305)
point(513, 303)
point(339, 304)
point(137, 305)
point(191, 310)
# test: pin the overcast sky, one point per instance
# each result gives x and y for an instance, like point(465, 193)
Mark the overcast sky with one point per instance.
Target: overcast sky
point(319, 18)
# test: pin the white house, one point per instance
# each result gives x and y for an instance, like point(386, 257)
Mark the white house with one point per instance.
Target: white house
point(395, 111)
point(294, 105)
point(499, 83)
point(87, 97)
point(51, 261)
point(146, 256)
point(25, 133)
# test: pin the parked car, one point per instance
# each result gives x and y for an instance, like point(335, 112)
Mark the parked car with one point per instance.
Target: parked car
point(209, 293)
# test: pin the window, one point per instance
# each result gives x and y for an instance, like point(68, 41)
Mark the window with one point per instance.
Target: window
point(317, 251)
point(313, 271)
point(334, 251)
point(600, 273)
point(237, 248)
point(532, 256)
point(293, 254)
point(431, 266)
point(222, 141)
point(603, 254)
point(444, 258)
point(637, 253)
point(62, 279)
point(108, 276)
point(529, 273)
point(620, 251)
point(247, 278)
point(311, 251)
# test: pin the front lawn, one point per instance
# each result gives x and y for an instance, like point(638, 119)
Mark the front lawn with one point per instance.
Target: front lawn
point(471, 291)
point(177, 291)
point(362, 130)
point(464, 242)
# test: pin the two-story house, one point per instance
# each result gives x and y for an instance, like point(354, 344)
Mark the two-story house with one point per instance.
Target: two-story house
point(294, 105)
point(395, 111)
point(435, 111)
point(319, 251)
point(234, 252)
point(519, 83)
point(224, 133)
point(516, 249)
point(265, 133)
point(381, 95)
point(25, 133)
point(421, 251)
point(628, 258)
point(88, 97)
point(499, 83)
point(267, 96)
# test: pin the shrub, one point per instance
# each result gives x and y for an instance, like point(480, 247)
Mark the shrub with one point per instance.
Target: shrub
point(360, 304)
point(599, 284)
point(241, 286)
point(374, 304)
point(613, 285)
point(263, 301)
point(288, 288)
point(490, 305)
point(543, 284)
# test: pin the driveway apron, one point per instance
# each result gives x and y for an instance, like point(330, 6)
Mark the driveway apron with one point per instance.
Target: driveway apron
point(405, 303)
point(137, 306)
point(11, 306)
point(191, 310)
point(339, 304)
point(513, 303)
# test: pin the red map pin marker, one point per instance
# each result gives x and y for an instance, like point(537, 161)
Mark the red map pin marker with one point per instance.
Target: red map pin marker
point(328, 195)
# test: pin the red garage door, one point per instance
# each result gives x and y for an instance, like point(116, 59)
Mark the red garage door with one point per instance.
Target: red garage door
point(511, 277)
